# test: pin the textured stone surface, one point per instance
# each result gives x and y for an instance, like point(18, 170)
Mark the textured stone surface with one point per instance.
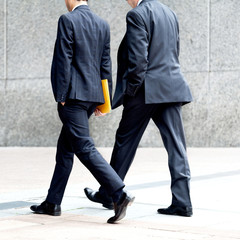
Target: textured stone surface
point(2, 114)
point(225, 35)
point(1, 39)
point(196, 114)
point(28, 115)
point(103, 129)
point(224, 109)
point(194, 35)
point(31, 114)
point(31, 36)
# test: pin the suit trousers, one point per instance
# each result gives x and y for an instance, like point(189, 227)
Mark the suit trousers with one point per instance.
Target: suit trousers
point(75, 139)
point(168, 118)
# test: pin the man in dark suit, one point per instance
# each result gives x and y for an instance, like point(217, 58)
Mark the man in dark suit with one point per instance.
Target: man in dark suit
point(150, 85)
point(81, 59)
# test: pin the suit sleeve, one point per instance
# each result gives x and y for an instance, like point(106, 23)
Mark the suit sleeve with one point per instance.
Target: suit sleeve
point(137, 44)
point(106, 63)
point(62, 59)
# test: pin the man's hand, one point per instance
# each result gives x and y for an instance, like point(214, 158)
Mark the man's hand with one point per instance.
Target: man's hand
point(63, 103)
point(98, 113)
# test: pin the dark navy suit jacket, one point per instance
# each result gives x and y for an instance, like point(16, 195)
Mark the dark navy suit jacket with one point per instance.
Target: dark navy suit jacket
point(81, 57)
point(148, 54)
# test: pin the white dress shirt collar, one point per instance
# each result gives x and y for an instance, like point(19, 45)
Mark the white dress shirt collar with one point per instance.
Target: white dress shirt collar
point(82, 3)
point(139, 2)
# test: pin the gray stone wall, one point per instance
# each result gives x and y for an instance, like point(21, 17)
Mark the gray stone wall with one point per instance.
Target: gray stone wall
point(210, 59)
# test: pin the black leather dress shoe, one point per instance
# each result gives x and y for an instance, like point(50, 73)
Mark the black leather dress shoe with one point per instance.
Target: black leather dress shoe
point(176, 210)
point(120, 207)
point(47, 208)
point(98, 198)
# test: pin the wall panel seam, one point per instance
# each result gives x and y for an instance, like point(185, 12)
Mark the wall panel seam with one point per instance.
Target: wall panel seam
point(209, 34)
point(5, 41)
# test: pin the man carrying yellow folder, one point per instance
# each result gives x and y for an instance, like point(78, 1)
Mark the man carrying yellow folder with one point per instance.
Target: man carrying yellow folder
point(78, 66)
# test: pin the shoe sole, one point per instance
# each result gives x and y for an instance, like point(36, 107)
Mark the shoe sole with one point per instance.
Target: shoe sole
point(177, 214)
point(52, 214)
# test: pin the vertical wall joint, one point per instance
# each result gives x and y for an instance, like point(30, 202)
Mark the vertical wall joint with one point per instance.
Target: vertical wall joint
point(5, 40)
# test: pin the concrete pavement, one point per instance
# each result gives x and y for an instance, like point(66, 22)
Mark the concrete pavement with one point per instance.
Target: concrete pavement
point(25, 174)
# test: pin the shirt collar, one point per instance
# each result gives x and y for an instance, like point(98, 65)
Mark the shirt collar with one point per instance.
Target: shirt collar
point(139, 2)
point(83, 3)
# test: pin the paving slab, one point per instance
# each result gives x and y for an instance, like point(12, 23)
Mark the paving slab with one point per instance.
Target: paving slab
point(26, 172)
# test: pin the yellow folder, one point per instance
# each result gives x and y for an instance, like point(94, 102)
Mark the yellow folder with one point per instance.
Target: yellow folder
point(106, 107)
